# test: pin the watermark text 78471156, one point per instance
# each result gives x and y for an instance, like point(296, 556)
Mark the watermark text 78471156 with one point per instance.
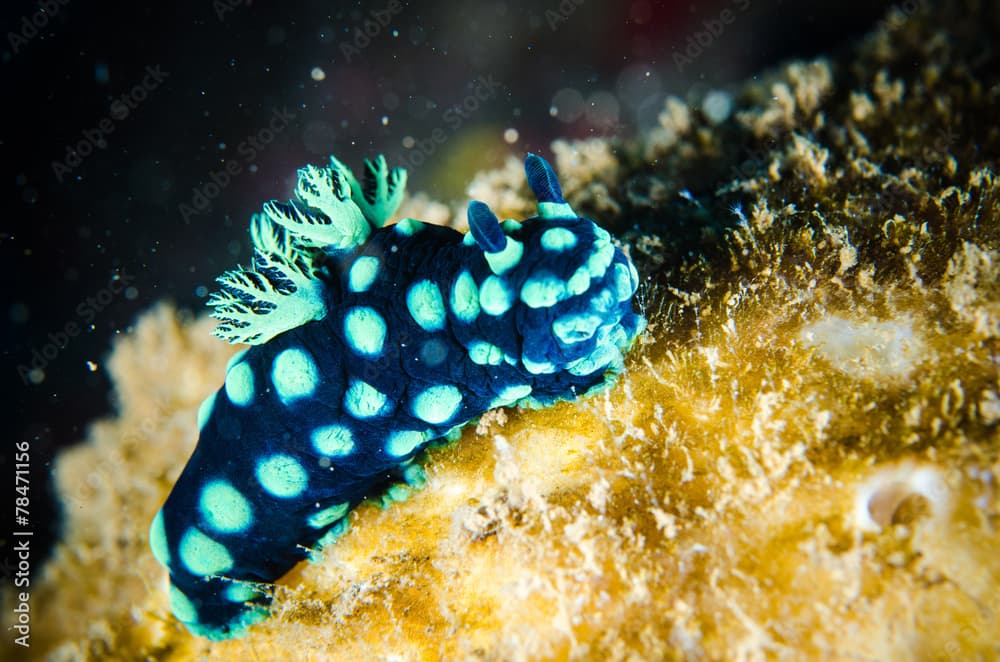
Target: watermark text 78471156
point(22, 544)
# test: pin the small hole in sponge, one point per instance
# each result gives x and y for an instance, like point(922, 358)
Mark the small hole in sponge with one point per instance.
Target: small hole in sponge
point(900, 495)
point(897, 503)
point(914, 507)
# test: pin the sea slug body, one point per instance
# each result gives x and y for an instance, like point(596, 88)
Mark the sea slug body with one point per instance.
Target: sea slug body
point(368, 342)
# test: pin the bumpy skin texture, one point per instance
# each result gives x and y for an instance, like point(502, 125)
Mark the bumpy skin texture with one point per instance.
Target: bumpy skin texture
point(414, 331)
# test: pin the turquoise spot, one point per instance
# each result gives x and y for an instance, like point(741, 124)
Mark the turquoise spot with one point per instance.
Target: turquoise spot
point(543, 291)
point(576, 327)
point(426, 306)
point(408, 227)
point(558, 240)
point(403, 442)
point(600, 260)
point(294, 375)
point(603, 302)
point(503, 261)
point(395, 494)
point(202, 555)
point(205, 410)
point(436, 404)
point(624, 285)
point(362, 400)
point(542, 368)
point(601, 236)
point(599, 359)
point(158, 540)
point(468, 239)
point(235, 358)
point(465, 297)
point(282, 476)
point(330, 537)
point(362, 274)
point(579, 282)
point(484, 353)
point(241, 592)
point(182, 607)
point(328, 516)
point(364, 330)
point(415, 476)
point(495, 296)
point(516, 392)
point(224, 508)
point(239, 384)
point(510, 226)
point(510, 395)
point(555, 210)
point(619, 338)
point(333, 440)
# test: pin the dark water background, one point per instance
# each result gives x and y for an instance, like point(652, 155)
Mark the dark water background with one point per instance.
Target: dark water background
point(120, 120)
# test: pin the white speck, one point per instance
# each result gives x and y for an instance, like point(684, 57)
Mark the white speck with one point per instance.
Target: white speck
point(717, 106)
point(317, 74)
point(510, 135)
point(91, 366)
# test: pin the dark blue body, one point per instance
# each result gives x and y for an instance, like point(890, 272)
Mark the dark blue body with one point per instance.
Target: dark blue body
point(269, 481)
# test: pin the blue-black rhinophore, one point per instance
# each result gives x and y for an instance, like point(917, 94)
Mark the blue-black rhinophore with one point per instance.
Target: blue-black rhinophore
point(367, 343)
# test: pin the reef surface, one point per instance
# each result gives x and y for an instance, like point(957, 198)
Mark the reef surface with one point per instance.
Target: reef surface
point(800, 460)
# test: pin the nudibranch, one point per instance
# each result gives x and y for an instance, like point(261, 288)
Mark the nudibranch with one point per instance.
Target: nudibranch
point(368, 342)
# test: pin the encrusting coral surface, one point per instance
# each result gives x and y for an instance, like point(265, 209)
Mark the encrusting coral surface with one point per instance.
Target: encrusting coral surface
point(800, 460)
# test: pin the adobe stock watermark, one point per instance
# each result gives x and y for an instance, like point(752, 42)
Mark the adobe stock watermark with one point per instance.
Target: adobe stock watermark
point(120, 109)
point(453, 118)
point(33, 372)
point(111, 465)
point(33, 24)
point(22, 548)
point(369, 29)
point(559, 15)
point(248, 149)
point(701, 40)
